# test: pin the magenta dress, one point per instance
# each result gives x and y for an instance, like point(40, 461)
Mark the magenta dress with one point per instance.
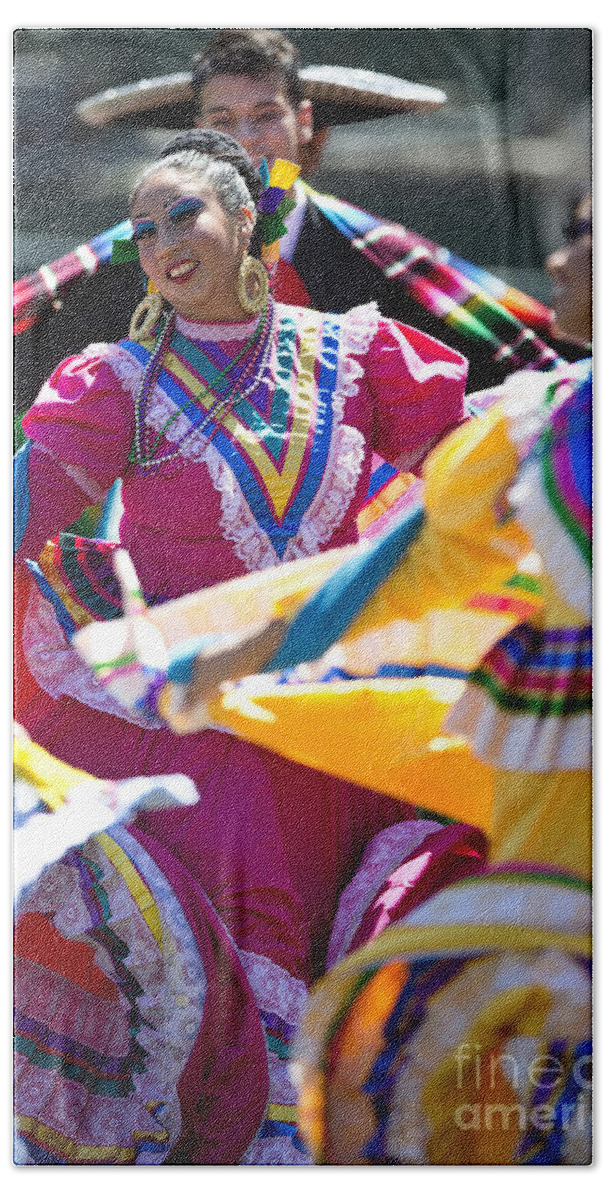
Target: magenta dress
point(271, 844)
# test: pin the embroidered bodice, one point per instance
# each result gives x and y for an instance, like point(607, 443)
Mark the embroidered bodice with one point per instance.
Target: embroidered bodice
point(275, 471)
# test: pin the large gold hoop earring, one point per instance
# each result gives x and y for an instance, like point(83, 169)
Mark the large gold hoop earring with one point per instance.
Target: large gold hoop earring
point(252, 285)
point(145, 317)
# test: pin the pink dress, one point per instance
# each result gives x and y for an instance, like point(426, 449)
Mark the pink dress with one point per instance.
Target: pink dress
point(271, 844)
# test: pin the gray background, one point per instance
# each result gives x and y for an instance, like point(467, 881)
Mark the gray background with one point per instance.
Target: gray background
point(491, 175)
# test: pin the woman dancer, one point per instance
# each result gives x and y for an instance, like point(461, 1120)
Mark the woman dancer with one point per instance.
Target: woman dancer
point(457, 1030)
point(243, 440)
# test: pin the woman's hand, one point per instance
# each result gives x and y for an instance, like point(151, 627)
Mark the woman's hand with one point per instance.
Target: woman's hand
point(237, 655)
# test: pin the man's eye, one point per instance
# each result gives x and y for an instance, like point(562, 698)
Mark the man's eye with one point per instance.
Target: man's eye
point(222, 123)
point(269, 115)
point(143, 231)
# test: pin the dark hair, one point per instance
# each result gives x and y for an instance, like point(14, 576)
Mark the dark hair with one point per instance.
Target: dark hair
point(255, 52)
point(214, 144)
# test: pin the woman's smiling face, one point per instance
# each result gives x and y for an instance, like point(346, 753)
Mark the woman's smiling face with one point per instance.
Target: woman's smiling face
point(189, 246)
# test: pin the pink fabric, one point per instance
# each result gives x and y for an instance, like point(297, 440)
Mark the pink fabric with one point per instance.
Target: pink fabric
point(444, 856)
point(271, 843)
point(411, 390)
point(272, 870)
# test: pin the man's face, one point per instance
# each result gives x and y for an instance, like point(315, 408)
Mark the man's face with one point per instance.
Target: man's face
point(258, 114)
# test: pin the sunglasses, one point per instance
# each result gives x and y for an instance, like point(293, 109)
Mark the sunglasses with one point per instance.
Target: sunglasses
point(573, 230)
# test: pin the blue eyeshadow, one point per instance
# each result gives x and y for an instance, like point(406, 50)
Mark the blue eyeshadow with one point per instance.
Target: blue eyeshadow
point(141, 228)
point(184, 208)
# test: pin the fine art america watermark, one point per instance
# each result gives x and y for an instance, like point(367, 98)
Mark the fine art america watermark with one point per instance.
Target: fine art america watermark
point(543, 1077)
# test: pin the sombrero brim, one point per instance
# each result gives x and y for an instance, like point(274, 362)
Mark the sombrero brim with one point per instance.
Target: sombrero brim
point(339, 95)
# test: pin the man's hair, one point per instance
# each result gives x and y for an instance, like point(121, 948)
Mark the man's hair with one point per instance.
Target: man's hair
point(255, 52)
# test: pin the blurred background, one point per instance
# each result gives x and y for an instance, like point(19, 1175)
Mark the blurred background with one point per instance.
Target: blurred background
point(491, 175)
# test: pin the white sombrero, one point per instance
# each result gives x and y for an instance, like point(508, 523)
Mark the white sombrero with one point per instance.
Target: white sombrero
point(339, 95)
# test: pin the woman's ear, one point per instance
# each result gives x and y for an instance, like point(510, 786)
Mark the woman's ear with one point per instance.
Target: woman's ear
point(247, 224)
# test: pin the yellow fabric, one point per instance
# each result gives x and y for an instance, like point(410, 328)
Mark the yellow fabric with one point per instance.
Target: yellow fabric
point(50, 777)
point(387, 734)
point(543, 817)
point(350, 1118)
point(71, 1151)
point(283, 174)
point(380, 505)
point(405, 754)
point(435, 939)
point(451, 1101)
point(461, 548)
point(283, 1112)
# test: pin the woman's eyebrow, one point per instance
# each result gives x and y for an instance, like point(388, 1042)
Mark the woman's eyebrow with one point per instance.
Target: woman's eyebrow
point(187, 202)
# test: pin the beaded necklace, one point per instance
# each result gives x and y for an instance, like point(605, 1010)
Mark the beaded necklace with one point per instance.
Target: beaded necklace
point(144, 456)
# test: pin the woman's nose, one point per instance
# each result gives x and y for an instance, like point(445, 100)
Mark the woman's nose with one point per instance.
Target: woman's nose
point(167, 238)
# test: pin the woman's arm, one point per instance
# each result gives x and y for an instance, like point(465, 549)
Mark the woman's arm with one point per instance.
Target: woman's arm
point(79, 433)
point(418, 387)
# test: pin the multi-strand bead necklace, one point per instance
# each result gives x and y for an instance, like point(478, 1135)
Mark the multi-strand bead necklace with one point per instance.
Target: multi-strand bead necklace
point(254, 356)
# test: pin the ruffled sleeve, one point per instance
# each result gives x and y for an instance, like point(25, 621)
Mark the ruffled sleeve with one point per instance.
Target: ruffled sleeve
point(79, 432)
point(418, 387)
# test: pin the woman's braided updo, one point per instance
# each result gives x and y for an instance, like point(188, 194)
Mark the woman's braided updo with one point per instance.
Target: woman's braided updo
point(222, 147)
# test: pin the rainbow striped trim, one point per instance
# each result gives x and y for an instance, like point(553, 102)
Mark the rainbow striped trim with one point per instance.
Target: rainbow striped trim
point(475, 303)
point(564, 451)
point(540, 673)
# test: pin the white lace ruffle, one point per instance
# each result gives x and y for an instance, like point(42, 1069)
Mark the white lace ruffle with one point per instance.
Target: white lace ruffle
point(57, 668)
point(358, 330)
point(276, 991)
point(338, 486)
point(238, 524)
point(127, 369)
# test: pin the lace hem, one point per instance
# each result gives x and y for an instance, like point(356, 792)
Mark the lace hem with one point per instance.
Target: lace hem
point(275, 990)
point(281, 1000)
point(156, 1022)
point(57, 668)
